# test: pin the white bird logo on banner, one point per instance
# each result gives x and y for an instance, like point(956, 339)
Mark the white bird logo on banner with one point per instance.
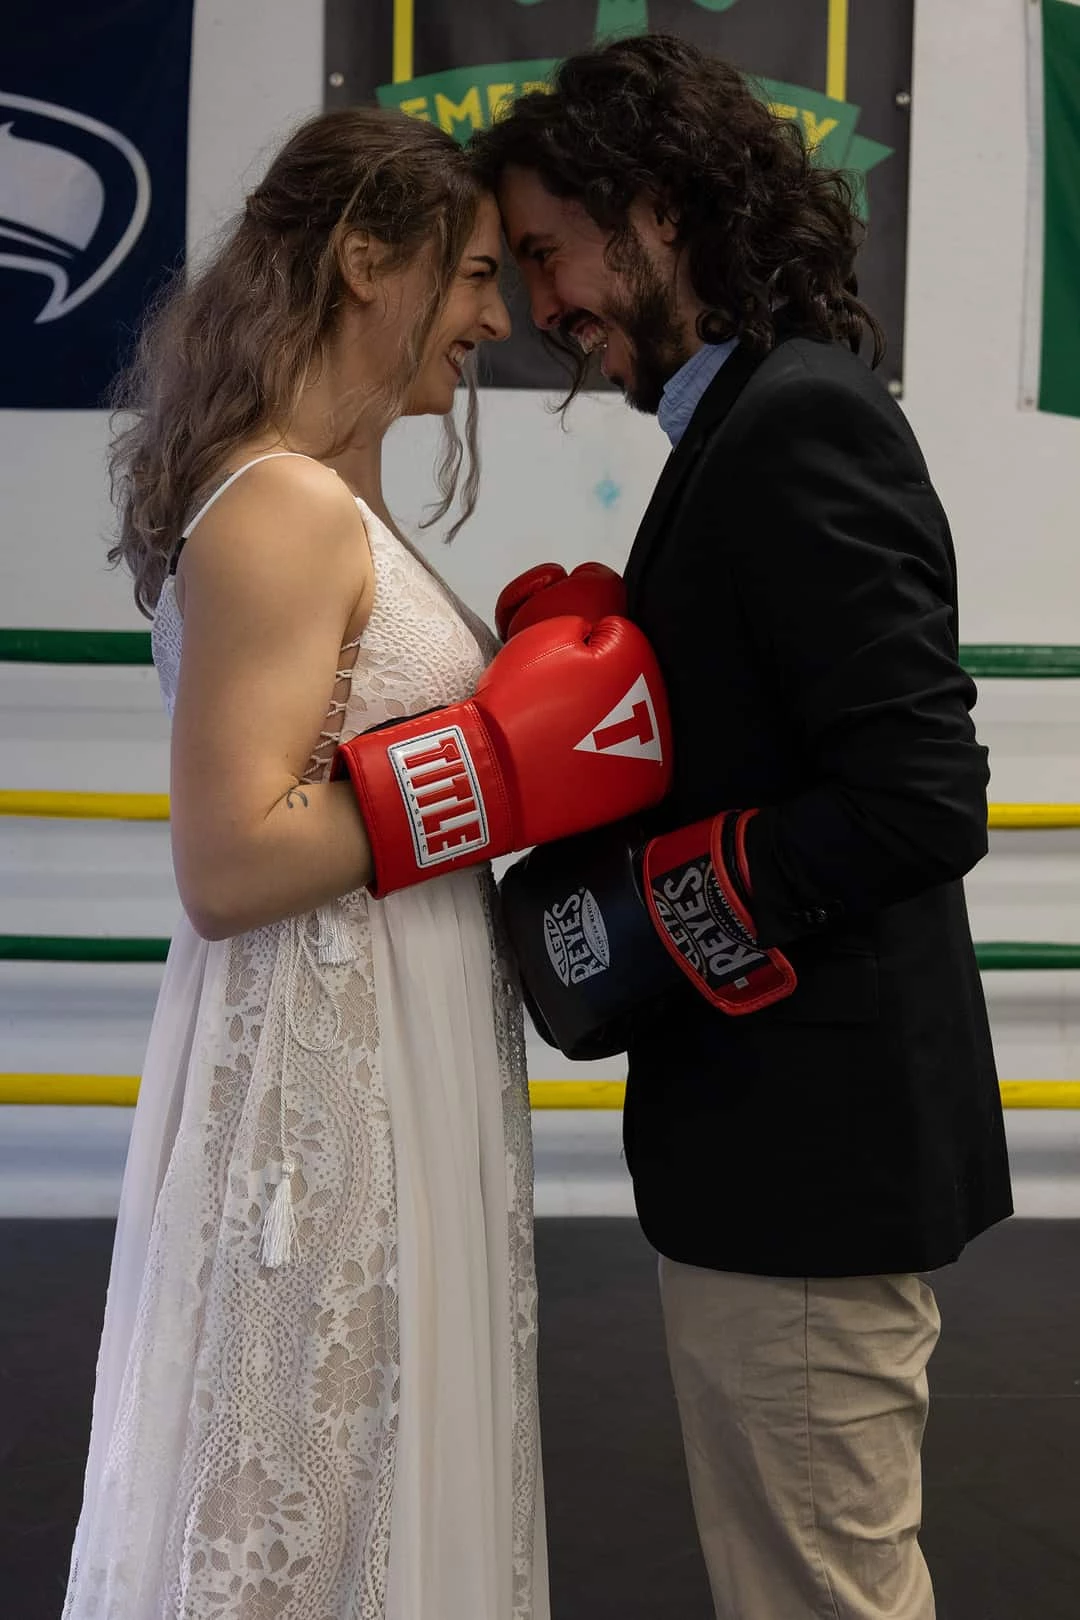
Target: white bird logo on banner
point(52, 202)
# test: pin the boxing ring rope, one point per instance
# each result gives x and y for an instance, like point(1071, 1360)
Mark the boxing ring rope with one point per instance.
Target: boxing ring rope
point(122, 1090)
point(995, 956)
point(29, 646)
point(117, 648)
point(155, 807)
point(983, 660)
point(85, 806)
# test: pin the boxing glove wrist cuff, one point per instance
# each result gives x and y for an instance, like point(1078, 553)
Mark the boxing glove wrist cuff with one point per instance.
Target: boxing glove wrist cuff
point(698, 891)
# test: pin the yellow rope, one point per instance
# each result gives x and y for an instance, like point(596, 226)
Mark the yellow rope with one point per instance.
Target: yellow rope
point(70, 1090)
point(1034, 815)
point(837, 51)
point(86, 806)
point(155, 807)
point(121, 1090)
point(577, 1093)
point(1040, 1093)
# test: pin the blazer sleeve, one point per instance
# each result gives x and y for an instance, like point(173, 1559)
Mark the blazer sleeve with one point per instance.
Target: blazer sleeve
point(845, 571)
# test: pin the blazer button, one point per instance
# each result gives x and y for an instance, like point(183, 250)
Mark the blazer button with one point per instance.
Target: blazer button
point(816, 917)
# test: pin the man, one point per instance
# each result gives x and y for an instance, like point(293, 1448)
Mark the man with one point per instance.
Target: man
point(811, 1130)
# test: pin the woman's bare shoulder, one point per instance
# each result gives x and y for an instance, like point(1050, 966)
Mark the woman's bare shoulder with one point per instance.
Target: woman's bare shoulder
point(282, 518)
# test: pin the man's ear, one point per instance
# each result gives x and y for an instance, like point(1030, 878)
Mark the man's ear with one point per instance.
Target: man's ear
point(358, 255)
point(667, 221)
point(655, 220)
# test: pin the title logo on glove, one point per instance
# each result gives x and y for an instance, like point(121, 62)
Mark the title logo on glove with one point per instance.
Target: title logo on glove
point(630, 729)
point(442, 795)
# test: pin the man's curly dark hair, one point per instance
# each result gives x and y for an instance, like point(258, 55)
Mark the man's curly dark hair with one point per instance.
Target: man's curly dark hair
point(770, 235)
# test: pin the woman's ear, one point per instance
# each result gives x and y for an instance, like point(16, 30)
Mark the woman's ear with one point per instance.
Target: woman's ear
point(358, 257)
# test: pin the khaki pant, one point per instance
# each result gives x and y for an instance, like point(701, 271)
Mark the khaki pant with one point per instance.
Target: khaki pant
point(803, 1403)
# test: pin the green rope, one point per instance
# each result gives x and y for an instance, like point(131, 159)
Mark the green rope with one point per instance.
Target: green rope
point(75, 646)
point(1019, 955)
point(994, 957)
point(991, 662)
point(55, 948)
point(984, 660)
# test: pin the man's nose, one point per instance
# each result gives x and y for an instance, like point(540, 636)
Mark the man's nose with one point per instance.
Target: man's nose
point(545, 307)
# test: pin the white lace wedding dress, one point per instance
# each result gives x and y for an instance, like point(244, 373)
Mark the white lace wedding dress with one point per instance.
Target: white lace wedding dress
point(352, 1435)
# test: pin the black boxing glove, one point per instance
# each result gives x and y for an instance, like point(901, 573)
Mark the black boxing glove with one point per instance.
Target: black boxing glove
point(585, 945)
point(605, 923)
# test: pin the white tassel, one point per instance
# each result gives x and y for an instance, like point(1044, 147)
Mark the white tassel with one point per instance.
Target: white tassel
point(280, 1241)
point(333, 945)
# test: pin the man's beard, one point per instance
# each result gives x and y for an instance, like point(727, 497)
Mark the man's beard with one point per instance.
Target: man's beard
point(648, 317)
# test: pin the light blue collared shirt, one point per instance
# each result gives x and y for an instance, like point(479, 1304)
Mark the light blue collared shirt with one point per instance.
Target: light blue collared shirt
point(684, 391)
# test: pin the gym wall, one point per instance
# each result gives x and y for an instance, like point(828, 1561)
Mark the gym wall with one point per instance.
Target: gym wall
point(1010, 481)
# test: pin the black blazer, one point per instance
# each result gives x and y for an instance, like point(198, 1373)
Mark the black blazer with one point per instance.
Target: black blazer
point(796, 576)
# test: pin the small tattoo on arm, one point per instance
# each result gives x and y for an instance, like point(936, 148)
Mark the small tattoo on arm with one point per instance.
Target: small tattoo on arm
point(295, 794)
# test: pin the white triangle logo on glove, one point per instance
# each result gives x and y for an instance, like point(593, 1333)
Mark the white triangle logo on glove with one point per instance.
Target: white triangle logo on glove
point(630, 729)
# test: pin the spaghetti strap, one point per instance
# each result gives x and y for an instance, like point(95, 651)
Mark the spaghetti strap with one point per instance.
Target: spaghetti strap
point(271, 455)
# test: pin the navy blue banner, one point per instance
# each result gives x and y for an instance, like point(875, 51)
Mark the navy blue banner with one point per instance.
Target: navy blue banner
point(93, 187)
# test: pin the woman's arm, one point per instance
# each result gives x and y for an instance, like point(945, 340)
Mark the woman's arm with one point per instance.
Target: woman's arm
point(275, 579)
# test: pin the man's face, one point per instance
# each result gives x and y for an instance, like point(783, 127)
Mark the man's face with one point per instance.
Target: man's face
point(620, 298)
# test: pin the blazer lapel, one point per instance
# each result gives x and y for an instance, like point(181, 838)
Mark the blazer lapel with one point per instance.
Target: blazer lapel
point(714, 406)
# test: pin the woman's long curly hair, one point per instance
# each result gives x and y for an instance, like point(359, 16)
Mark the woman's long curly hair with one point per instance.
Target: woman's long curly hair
point(770, 235)
point(227, 352)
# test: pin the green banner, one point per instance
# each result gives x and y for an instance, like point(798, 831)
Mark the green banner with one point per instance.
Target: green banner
point(840, 69)
point(461, 100)
point(1052, 347)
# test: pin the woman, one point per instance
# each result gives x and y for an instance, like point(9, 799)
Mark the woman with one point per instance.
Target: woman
point(316, 1394)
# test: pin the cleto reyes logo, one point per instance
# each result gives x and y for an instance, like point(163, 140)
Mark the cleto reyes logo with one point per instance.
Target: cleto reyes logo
point(692, 913)
point(576, 938)
point(442, 795)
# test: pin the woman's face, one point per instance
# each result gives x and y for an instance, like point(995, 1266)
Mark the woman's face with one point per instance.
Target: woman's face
point(473, 313)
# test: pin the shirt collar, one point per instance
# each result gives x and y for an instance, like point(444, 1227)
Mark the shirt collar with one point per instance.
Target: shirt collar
point(684, 391)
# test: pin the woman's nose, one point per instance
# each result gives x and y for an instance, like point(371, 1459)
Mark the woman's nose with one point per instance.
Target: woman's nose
point(497, 318)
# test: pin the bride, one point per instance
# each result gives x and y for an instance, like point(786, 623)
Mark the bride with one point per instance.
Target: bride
point(316, 1393)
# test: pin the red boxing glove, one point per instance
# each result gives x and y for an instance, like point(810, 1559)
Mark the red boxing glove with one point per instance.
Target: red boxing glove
point(568, 729)
point(697, 889)
point(593, 590)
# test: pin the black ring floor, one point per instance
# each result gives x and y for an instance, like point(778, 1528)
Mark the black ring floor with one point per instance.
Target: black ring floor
point(1002, 1456)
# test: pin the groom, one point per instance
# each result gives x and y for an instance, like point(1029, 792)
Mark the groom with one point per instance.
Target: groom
point(810, 1137)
